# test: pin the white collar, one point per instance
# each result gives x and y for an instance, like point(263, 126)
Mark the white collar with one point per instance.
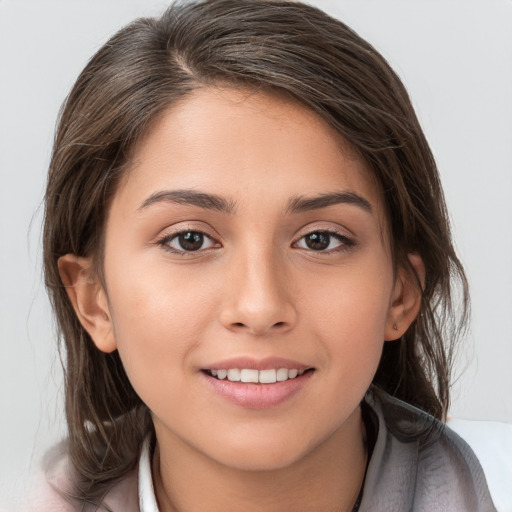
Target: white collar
point(147, 499)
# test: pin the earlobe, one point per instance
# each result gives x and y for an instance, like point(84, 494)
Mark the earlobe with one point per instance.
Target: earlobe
point(406, 300)
point(89, 300)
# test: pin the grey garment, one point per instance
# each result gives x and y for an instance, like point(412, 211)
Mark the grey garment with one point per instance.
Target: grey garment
point(418, 464)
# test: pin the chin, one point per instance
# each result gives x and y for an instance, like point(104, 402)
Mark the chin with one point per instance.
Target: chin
point(261, 463)
point(254, 457)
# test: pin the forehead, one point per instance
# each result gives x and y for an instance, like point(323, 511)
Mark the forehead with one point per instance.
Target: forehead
point(239, 143)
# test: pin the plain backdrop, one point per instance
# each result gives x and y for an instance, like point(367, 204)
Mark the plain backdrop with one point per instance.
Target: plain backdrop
point(455, 57)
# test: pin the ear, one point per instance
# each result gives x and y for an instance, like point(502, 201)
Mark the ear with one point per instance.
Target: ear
point(406, 300)
point(89, 300)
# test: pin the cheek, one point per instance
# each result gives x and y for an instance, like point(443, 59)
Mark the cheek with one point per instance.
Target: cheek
point(353, 300)
point(349, 313)
point(148, 296)
point(157, 315)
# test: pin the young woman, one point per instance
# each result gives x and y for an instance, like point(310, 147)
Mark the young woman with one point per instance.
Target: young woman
point(248, 253)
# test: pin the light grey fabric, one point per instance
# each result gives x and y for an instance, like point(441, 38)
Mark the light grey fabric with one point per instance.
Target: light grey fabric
point(418, 464)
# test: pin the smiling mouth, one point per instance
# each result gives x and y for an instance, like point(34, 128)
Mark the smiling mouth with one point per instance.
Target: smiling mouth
point(249, 375)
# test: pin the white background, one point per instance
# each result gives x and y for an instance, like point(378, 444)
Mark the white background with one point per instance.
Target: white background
point(456, 60)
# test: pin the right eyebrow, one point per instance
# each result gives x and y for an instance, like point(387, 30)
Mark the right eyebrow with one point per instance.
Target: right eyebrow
point(190, 197)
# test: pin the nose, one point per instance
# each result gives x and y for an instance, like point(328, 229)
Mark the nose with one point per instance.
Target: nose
point(258, 300)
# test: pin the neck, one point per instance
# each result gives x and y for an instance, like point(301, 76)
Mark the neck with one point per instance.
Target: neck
point(329, 477)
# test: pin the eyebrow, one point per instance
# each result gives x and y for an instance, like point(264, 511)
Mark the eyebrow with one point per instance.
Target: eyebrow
point(190, 197)
point(296, 204)
point(302, 204)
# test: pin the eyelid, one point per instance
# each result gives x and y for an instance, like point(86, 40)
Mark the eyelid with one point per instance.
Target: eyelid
point(319, 228)
point(188, 225)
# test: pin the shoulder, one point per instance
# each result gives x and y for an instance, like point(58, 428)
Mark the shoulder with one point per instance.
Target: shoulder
point(52, 489)
point(50, 483)
point(419, 464)
point(492, 443)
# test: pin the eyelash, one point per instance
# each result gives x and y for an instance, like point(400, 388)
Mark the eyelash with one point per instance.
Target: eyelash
point(345, 245)
point(346, 242)
point(166, 240)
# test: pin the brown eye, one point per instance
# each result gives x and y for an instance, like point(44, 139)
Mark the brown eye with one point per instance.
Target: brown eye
point(317, 241)
point(324, 241)
point(189, 241)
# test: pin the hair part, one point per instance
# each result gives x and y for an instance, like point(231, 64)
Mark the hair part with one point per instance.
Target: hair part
point(281, 46)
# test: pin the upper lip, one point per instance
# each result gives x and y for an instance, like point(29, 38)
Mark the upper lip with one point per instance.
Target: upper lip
point(251, 363)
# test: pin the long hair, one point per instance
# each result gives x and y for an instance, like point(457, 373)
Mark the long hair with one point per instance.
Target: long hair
point(278, 45)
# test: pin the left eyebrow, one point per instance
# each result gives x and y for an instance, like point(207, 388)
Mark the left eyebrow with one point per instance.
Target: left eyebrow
point(302, 204)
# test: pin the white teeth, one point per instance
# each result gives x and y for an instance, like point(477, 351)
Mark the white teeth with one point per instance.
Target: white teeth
point(267, 376)
point(249, 375)
point(257, 376)
point(234, 375)
point(282, 374)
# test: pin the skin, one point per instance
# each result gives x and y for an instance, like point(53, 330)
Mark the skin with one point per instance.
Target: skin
point(253, 289)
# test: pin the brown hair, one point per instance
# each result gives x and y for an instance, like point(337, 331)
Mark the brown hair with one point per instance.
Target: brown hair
point(283, 46)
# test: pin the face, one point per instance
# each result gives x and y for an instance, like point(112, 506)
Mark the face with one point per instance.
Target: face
point(247, 241)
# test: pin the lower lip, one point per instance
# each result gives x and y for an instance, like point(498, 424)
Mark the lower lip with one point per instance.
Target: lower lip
point(258, 396)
